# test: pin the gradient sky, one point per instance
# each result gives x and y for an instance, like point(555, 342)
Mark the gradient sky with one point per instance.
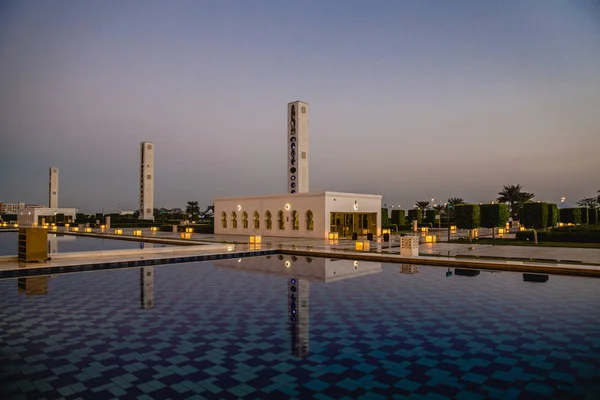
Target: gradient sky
point(412, 100)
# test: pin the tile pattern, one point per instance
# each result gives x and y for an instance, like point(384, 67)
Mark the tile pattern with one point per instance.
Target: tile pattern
point(223, 334)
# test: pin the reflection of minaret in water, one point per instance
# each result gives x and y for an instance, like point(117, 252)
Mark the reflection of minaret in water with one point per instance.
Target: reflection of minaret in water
point(52, 244)
point(298, 316)
point(147, 287)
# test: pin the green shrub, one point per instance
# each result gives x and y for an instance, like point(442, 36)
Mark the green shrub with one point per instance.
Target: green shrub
point(593, 216)
point(585, 216)
point(81, 218)
point(385, 220)
point(494, 215)
point(553, 219)
point(571, 215)
point(398, 217)
point(430, 216)
point(415, 213)
point(535, 215)
point(467, 216)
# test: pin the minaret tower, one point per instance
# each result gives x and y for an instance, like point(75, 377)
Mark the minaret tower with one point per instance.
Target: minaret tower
point(53, 188)
point(147, 181)
point(297, 147)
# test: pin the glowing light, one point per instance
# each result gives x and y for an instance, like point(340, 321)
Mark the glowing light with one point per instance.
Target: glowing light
point(287, 264)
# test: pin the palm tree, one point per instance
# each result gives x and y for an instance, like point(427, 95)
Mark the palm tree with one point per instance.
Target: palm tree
point(454, 201)
point(515, 197)
point(422, 205)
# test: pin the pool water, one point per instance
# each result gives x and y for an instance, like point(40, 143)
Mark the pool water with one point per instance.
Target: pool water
point(228, 330)
point(70, 243)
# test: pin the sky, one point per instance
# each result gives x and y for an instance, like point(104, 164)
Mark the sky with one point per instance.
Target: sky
point(412, 100)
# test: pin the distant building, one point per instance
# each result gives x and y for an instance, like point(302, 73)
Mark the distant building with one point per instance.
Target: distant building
point(147, 180)
point(53, 188)
point(12, 208)
point(30, 216)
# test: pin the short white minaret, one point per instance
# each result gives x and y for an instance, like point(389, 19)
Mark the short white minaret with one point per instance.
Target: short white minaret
point(297, 147)
point(53, 188)
point(147, 180)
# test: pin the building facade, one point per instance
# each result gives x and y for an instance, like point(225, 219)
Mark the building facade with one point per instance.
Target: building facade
point(53, 188)
point(12, 208)
point(30, 216)
point(306, 215)
point(297, 147)
point(147, 180)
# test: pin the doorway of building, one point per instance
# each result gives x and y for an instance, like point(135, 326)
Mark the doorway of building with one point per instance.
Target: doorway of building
point(345, 224)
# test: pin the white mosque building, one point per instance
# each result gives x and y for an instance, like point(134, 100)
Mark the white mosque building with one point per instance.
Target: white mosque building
point(299, 212)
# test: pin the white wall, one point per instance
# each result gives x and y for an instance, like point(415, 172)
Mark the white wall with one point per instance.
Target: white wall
point(344, 202)
point(274, 204)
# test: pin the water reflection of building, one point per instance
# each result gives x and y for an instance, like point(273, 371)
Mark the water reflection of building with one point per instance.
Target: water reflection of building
point(299, 272)
point(33, 286)
point(147, 287)
point(312, 269)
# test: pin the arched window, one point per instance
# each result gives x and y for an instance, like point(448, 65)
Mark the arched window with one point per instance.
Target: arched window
point(256, 220)
point(268, 221)
point(310, 224)
point(295, 222)
point(234, 220)
point(245, 220)
point(224, 220)
point(280, 220)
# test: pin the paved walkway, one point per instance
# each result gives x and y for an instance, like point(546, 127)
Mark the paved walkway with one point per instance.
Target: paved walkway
point(518, 258)
point(568, 254)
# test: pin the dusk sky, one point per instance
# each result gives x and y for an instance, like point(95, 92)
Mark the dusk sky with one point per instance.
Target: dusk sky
point(412, 100)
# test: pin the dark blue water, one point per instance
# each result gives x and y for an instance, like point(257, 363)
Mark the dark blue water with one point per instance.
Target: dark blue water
point(180, 331)
point(69, 243)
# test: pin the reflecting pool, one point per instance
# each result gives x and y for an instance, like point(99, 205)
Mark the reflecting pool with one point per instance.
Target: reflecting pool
point(283, 327)
point(58, 243)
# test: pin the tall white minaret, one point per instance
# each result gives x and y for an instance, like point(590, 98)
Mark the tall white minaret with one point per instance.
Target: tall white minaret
point(147, 180)
point(53, 188)
point(297, 147)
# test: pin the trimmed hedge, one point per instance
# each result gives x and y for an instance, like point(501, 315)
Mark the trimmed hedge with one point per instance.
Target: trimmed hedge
point(494, 215)
point(566, 234)
point(535, 215)
point(553, 216)
point(398, 217)
point(430, 216)
point(385, 220)
point(415, 213)
point(593, 216)
point(571, 215)
point(467, 216)
point(585, 216)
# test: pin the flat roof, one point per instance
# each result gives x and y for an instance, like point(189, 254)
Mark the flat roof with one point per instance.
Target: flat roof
point(309, 194)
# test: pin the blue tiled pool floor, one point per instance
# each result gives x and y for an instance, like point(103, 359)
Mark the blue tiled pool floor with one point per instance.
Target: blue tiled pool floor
point(211, 333)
